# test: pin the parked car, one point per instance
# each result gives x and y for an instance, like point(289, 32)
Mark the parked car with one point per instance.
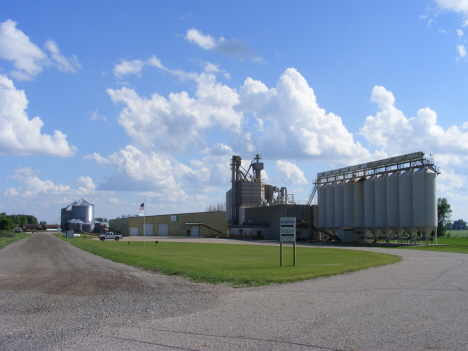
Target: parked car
point(110, 235)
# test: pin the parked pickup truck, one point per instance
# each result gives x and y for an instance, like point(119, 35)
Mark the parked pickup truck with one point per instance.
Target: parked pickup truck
point(110, 235)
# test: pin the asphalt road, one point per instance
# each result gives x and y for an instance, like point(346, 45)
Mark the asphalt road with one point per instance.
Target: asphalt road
point(56, 297)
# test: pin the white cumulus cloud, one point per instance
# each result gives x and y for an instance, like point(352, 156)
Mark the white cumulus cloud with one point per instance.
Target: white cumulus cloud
point(32, 187)
point(283, 121)
point(290, 173)
point(461, 51)
point(134, 67)
point(294, 126)
point(397, 134)
point(233, 47)
point(22, 136)
point(205, 41)
point(27, 58)
point(458, 6)
point(159, 174)
point(175, 122)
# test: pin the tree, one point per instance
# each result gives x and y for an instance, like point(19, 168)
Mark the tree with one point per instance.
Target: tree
point(6, 224)
point(444, 213)
point(459, 224)
point(219, 207)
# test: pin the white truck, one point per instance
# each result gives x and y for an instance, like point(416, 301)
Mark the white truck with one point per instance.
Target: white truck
point(110, 235)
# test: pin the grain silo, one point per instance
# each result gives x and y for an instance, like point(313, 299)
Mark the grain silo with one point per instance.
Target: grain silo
point(81, 211)
point(393, 195)
point(339, 204)
point(348, 198)
point(405, 191)
point(322, 212)
point(330, 207)
point(381, 204)
point(424, 200)
point(393, 203)
point(358, 205)
point(369, 205)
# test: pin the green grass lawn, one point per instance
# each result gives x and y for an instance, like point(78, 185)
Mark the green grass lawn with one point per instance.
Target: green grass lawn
point(459, 245)
point(240, 265)
point(4, 241)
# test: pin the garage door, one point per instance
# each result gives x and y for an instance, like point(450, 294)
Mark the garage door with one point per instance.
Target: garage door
point(149, 229)
point(133, 231)
point(195, 230)
point(163, 229)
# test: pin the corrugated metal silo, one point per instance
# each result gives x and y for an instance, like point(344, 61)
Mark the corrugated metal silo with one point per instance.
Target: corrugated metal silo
point(88, 227)
point(424, 200)
point(369, 204)
point(359, 204)
point(63, 219)
point(69, 211)
point(431, 200)
point(381, 203)
point(78, 224)
point(348, 210)
point(322, 206)
point(393, 203)
point(339, 205)
point(330, 194)
point(83, 211)
point(405, 191)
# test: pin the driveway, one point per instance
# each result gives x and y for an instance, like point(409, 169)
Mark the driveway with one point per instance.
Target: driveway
point(54, 296)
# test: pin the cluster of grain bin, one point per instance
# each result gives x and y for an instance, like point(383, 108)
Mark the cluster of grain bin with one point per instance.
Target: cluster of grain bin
point(78, 215)
point(383, 203)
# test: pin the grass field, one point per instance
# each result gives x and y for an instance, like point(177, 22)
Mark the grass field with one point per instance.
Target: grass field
point(240, 265)
point(458, 233)
point(454, 244)
point(4, 241)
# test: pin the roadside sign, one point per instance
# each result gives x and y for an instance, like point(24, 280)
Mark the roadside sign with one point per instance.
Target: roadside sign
point(288, 234)
point(288, 229)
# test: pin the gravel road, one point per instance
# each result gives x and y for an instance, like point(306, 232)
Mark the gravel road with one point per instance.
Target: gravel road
point(56, 297)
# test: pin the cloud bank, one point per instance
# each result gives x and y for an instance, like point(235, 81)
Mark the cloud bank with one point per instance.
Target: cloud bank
point(283, 121)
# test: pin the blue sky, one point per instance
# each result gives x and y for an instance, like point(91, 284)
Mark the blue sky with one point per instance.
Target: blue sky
point(128, 102)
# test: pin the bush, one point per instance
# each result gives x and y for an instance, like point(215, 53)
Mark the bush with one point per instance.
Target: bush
point(6, 224)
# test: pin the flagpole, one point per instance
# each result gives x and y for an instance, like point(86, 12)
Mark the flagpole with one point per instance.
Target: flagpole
point(142, 208)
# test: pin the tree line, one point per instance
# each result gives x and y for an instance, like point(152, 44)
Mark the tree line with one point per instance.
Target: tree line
point(20, 218)
point(220, 206)
point(459, 224)
point(7, 222)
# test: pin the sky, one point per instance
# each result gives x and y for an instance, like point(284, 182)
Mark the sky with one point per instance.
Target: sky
point(123, 103)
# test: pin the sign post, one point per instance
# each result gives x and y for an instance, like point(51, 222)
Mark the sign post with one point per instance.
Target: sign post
point(288, 234)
